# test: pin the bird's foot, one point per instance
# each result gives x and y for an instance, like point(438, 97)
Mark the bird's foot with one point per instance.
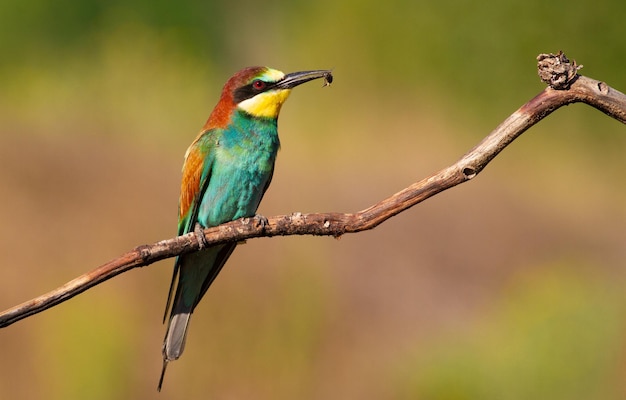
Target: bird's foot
point(260, 220)
point(257, 220)
point(202, 242)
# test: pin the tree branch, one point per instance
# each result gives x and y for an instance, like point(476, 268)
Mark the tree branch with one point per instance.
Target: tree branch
point(565, 87)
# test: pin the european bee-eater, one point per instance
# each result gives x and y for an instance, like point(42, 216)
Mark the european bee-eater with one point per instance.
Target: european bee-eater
point(227, 169)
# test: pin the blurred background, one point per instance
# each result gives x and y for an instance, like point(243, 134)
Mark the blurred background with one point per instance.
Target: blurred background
point(507, 287)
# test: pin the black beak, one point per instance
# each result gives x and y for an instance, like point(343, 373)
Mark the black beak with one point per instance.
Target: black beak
point(297, 78)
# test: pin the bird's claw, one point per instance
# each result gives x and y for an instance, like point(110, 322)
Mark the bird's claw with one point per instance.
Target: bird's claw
point(260, 220)
point(202, 242)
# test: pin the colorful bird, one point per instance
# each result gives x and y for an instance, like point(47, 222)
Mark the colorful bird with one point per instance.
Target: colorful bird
point(227, 169)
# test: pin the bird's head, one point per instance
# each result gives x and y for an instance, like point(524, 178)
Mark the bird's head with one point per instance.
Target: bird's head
point(260, 92)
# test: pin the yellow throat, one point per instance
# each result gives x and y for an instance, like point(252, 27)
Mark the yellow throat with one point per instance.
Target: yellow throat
point(267, 104)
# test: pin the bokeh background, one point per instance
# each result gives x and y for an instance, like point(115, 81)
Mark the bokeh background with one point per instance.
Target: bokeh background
point(507, 287)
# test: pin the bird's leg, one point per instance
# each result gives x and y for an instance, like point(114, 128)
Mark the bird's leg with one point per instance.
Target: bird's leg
point(202, 243)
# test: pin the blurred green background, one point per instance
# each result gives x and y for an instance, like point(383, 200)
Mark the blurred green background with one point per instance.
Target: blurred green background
point(508, 287)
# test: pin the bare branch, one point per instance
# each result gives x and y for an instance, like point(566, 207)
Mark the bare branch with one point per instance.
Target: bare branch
point(566, 87)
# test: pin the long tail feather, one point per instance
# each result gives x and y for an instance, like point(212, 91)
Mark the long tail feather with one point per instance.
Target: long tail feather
point(193, 274)
point(171, 291)
point(176, 335)
point(162, 375)
point(174, 342)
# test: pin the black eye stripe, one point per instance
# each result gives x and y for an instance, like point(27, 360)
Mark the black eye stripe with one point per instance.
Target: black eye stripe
point(249, 91)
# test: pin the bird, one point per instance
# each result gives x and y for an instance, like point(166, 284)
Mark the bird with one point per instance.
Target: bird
point(227, 169)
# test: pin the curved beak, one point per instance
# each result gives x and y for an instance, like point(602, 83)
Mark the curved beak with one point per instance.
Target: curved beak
point(297, 78)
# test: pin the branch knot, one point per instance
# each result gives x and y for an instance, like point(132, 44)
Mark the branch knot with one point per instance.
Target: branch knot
point(557, 71)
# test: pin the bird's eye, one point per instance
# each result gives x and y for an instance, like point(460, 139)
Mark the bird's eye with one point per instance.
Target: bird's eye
point(258, 84)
